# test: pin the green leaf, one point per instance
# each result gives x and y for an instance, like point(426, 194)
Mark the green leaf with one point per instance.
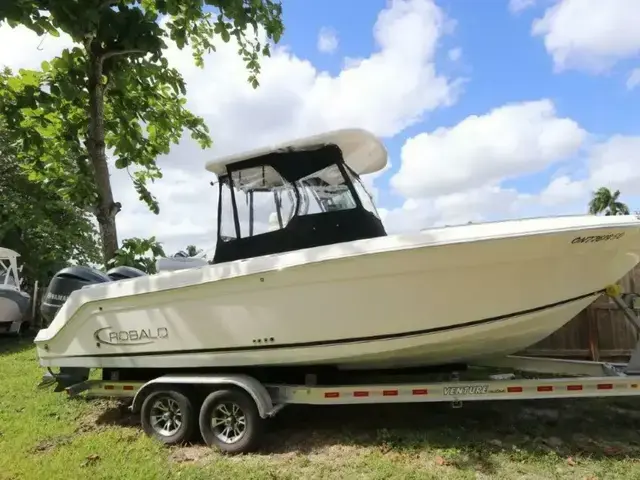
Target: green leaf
point(53, 31)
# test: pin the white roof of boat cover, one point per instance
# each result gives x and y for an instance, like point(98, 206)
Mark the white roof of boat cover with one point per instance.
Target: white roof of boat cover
point(361, 150)
point(7, 253)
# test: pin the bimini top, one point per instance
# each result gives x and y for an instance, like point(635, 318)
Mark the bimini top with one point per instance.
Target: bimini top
point(361, 150)
point(7, 253)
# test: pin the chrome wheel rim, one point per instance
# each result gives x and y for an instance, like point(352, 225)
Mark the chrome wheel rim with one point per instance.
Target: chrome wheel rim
point(166, 417)
point(228, 422)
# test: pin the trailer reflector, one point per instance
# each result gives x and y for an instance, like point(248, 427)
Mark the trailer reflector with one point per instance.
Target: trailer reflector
point(390, 393)
point(574, 387)
point(514, 389)
point(545, 388)
point(605, 386)
point(420, 391)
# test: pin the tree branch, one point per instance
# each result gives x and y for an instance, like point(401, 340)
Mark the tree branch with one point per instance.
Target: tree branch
point(114, 53)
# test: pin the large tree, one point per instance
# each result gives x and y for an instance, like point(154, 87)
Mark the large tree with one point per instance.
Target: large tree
point(607, 202)
point(38, 222)
point(115, 91)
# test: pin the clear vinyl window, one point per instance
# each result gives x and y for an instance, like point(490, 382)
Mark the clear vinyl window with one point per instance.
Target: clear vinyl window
point(264, 200)
point(324, 191)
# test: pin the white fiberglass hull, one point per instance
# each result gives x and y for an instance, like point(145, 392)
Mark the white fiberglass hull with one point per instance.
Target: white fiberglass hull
point(443, 295)
point(13, 305)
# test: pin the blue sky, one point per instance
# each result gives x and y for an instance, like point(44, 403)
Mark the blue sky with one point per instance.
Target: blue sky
point(501, 62)
point(539, 109)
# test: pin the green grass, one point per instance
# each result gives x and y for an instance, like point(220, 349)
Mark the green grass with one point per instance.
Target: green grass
point(46, 435)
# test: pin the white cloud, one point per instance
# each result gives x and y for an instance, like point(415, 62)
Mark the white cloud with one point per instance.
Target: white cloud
point(615, 163)
point(516, 6)
point(488, 202)
point(611, 163)
point(590, 35)
point(188, 209)
point(563, 190)
point(634, 79)
point(454, 54)
point(22, 48)
point(294, 99)
point(327, 40)
point(506, 142)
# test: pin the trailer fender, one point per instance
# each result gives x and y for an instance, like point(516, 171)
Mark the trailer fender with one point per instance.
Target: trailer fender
point(249, 384)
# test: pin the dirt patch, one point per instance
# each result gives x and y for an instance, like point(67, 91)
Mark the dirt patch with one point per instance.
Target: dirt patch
point(51, 443)
point(190, 454)
point(107, 413)
point(90, 460)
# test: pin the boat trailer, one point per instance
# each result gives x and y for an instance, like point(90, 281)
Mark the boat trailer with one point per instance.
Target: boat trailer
point(230, 411)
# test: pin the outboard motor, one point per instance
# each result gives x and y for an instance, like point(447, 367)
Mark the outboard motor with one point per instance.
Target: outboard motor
point(63, 283)
point(124, 272)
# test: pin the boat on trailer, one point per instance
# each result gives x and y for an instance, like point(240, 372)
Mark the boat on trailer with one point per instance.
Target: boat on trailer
point(306, 280)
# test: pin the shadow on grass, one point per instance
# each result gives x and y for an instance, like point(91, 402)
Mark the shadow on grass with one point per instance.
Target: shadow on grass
point(596, 428)
point(13, 343)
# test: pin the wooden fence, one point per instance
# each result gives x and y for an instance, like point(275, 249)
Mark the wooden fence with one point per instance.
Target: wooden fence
point(599, 332)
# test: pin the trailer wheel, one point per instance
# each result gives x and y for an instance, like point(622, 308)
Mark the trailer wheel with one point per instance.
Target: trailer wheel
point(230, 421)
point(167, 415)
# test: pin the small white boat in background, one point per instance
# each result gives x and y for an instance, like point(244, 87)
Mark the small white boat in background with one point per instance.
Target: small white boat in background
point(14, 302)
point(180, 261)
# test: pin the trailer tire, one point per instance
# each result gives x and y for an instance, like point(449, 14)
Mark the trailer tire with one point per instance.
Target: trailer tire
point(235, 410)
point(170, 403)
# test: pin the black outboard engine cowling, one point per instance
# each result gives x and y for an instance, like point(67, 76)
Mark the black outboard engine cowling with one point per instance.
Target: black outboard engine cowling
point(124, 272)
point(63, 283)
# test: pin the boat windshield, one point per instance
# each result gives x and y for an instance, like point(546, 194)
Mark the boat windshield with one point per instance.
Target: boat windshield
point(265, 201)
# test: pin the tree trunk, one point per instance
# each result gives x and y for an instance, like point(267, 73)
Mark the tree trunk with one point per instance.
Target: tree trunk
point(106, 209)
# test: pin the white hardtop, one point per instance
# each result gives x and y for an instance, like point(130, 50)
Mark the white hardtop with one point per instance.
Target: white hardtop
point(8, 253)
point(361, 150)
